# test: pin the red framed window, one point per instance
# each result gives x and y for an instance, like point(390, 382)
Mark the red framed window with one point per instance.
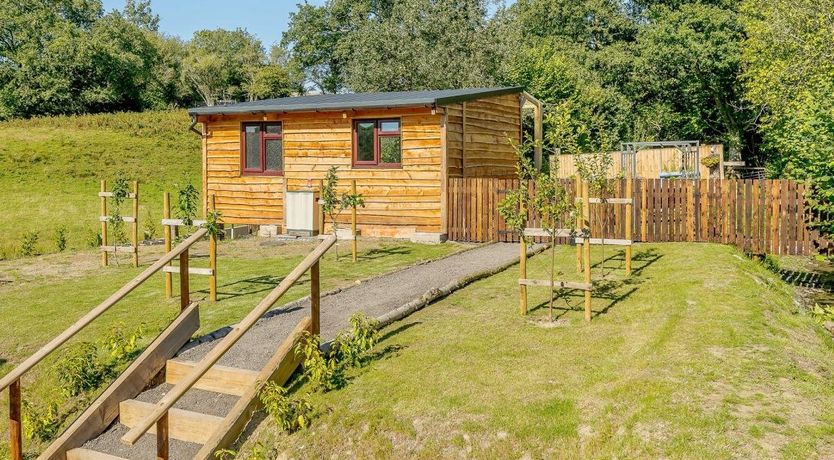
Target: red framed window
point(377, 143)
point(262, 148)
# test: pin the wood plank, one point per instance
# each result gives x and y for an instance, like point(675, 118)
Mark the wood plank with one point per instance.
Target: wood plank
point(191, 270)
point(557, 284)
point(101, 413)
point(219, 379)
point(182, 424)
point(87, 454)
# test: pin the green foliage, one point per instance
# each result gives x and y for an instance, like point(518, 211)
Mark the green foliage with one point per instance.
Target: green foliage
point(188, 202)
point(329, 198)
point(93, 238)
point(214, 224)
point(28, 247)
point(324, 373)
point(593, 168)
point(822, 313)
point(289, 414)
point(120, 345)
point(711, 161)
point(120, 190)
point(351, 346)
point(61, 238)
point(352, 201)
point(41, 421)
point(150, 227)
point(513, 208)
point(553, 204)
point(80, 369)
point(771, 262)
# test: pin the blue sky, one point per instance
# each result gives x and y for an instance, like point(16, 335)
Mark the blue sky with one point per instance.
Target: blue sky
point(264, 18)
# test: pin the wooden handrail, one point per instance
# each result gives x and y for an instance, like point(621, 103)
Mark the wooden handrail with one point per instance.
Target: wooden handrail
point(50, 347)
point(175, 393)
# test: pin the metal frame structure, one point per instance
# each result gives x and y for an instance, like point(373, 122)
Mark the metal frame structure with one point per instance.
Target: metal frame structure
point(690, 156)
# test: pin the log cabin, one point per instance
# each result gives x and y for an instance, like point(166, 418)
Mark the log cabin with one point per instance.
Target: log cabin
point(263, 161)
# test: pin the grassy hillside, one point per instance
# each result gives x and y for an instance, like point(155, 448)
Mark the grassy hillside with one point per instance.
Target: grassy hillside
point(701, 354)
point(50, 170)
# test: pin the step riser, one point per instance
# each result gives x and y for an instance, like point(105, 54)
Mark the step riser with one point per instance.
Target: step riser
point(183, 425)
point(86, 454)
point(219, 379)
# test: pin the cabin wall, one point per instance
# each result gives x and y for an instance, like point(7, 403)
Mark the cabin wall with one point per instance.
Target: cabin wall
point(479, 146)
point(399, 202)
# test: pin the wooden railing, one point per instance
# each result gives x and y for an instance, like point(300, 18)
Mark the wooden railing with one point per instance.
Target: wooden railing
point(12, 379)
point(159, 415)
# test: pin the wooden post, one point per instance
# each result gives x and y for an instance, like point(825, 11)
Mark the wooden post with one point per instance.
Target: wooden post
point(628, 222)
point(644, 211)
point(15, 422)
point(103, 212)
point(212, 257)
point(136, 223)
point(166, 232)
point(184, 285)
point(162, 438)
point(353, 221)
point(586, 246)
point(315, 299)
point(522, 274)
point(578, 194)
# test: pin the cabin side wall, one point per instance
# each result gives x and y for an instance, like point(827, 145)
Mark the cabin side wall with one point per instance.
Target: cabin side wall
point(479, 145)
point(399, 202)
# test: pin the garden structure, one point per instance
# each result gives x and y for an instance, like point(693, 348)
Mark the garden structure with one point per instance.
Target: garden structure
point(402, 148)
point(115, 219)
point(654, 160)
point(168, 225)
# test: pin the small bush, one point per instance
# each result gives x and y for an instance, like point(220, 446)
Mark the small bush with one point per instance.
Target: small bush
point(711, 161)
point(324, 373)
point(822, 313)
point(41, 421)
point(28, 247)
point(80, 370)
point(93, 239)
point(290, 414)
point(150, 228)
point(121, 347)
point(350, 346)
point(61, 238)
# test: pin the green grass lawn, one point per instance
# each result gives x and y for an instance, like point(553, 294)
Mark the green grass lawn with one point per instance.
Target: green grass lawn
point(50, 170)
point(49, 293)
point(701, 354)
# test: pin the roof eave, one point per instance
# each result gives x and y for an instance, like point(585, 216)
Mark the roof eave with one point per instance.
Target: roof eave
point(480, 95)
point(219, 110)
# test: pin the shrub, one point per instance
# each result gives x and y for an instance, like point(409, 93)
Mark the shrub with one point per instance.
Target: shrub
point(28, 247)
point(121, 347)
point(350, 346)
point(187, 202)
point(323, 373)
point(80, 370)
point(93, 238)
point(41, 421)
point(822, 314)
point(61, 238)
point(149, 227)
point(711, 161)
point(290, 414)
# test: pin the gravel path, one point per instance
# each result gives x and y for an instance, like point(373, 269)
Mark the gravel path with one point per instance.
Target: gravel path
point(376, 297)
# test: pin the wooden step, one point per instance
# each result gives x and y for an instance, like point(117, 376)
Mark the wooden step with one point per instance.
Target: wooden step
point(219, 379)
point(182, 424)
point(87, 454)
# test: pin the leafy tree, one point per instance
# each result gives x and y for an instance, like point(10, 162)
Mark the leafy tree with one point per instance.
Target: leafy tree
point(789, 70)
point(140, 14)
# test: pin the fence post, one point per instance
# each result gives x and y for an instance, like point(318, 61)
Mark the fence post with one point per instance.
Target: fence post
point(212, 257)
point(522, 256)
point(629, 192)
point(353, 219)
point(166, 233)
point(184, 285)
point(136, 223)
point(315, 299)
point(103, 213)
point(578, 194)
point(586, 246)
point(162, 438)
point(644, 211)
point(15, 422)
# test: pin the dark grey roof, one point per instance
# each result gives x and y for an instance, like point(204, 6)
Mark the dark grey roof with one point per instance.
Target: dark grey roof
point(322, 102)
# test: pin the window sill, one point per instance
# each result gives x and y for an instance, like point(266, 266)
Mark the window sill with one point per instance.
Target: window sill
point(263, 173)
point(384, 166)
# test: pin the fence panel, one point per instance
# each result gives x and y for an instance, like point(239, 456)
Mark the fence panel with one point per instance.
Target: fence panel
point(757, 215)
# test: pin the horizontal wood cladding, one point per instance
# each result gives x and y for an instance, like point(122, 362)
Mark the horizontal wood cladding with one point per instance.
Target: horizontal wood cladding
point(399, 201)
point(480, 147)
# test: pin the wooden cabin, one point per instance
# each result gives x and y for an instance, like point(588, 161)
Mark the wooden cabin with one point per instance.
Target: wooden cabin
point(400, 147)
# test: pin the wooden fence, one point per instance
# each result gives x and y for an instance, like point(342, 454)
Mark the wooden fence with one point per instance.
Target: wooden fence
point(757, 215)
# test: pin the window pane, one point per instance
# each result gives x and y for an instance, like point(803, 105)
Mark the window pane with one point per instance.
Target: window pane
point(365, 141)
point(389, 126)
point(253, 147)
point(274, 155)
point(273, 128)
point(389, 149)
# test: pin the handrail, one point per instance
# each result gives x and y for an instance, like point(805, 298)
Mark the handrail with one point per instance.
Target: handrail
point(50, 347)
point(175, 393)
